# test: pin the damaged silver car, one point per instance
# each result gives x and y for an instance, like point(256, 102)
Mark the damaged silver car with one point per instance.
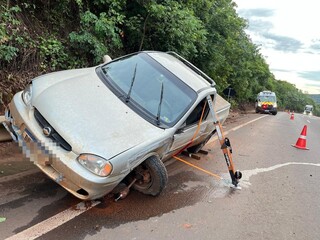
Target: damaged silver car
point(90, 129)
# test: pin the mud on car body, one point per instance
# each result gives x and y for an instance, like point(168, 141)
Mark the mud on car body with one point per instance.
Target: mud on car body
point(89, 129)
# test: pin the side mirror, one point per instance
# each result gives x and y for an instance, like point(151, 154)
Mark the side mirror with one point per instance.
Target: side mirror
point(106, 59)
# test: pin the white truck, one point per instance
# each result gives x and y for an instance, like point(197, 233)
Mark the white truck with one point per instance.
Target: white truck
point(308, 110)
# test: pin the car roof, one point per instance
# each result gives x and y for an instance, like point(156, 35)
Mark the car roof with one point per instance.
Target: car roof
point(265, 93)
point(179, 69)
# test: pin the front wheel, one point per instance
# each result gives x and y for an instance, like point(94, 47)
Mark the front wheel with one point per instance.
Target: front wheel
point(151, 176)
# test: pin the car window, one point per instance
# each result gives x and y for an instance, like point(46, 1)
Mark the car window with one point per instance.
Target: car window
point(195, 115)
point(147, 79)
point(267, 99)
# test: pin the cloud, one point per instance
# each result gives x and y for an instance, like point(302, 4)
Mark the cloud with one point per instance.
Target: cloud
point(315, 46)
point(256, 12)
point(313, 85)
point(311, 75)
point(257, 25)
point(283, 43)
point(279, 70)
point(291, 49)
point(256, 18)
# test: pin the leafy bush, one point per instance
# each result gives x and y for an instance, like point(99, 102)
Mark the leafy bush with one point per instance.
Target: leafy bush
point(98, 35)
point(9, 33)
point(53, 54)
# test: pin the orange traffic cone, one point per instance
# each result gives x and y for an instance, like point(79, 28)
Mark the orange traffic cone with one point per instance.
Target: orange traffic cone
point(292, 116)
point(302, 140)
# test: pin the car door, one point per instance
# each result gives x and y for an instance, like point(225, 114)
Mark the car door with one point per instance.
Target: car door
point(187, 133)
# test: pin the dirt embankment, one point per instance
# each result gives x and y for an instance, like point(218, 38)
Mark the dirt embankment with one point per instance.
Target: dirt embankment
point(236, 114)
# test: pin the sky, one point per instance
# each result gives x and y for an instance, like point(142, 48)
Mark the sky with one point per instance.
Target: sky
point(288, 35)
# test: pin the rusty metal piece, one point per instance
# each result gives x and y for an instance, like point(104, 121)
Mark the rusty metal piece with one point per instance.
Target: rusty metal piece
point(4, 134)
point(124, 193)
point(191, 155)
point(203, 152)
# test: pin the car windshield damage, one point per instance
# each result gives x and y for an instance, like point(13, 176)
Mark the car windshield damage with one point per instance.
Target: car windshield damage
point(142, 81)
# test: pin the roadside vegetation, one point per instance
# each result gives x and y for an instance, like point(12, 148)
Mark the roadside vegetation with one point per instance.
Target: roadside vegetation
point(38, 37)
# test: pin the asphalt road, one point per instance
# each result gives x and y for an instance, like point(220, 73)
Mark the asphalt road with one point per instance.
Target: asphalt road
point(279, 198)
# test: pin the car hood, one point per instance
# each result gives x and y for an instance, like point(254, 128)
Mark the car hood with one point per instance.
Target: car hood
point(82, 109)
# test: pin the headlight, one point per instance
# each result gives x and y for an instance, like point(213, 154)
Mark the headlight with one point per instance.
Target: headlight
point(27, 95)
point(259, 104)
point(95, 164)
point(275, 105)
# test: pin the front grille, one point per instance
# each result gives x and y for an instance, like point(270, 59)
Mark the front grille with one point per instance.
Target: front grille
point(270, 107)
point(54, 136)
point(267, 107)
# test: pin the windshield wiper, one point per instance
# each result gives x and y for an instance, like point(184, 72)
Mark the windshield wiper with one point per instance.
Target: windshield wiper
point(132, 81)
point(160, 103)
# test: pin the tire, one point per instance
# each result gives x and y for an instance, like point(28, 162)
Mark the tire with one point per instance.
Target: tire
point(257, 110)
point(151, 175)
point(198, 147)
point(274, 113)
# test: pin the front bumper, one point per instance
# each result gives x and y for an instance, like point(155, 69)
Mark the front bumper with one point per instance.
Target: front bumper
point(60, 165)
point(267, 110)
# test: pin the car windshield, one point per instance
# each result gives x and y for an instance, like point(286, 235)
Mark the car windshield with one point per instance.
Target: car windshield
point(267, 98)
point(143, 81)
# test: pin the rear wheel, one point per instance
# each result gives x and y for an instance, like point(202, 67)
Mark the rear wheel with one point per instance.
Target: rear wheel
point(151, 176)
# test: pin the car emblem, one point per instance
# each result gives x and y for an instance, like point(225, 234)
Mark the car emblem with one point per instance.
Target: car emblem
point(47, 131)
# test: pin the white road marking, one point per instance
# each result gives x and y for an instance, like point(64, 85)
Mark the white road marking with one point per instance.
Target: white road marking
point(246, 174)
point(308, 121)
point(242, 125)
point(236, 128)
point(54, 221)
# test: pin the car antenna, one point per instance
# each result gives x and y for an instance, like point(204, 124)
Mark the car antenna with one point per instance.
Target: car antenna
point(160, 103)
point(132, 81)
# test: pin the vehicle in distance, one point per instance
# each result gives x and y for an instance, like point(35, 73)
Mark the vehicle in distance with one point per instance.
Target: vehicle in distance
point(308, 110)
point(90, 129)
point(266, 102)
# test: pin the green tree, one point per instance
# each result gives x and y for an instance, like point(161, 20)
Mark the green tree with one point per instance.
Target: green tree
point(164, 26)
point(99, 34)
point(41, 36)
point(231, 57)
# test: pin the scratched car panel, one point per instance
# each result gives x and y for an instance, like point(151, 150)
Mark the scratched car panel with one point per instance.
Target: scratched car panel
point(90, 129)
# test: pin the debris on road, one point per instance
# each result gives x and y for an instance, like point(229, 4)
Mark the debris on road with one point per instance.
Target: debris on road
point(187, 225)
